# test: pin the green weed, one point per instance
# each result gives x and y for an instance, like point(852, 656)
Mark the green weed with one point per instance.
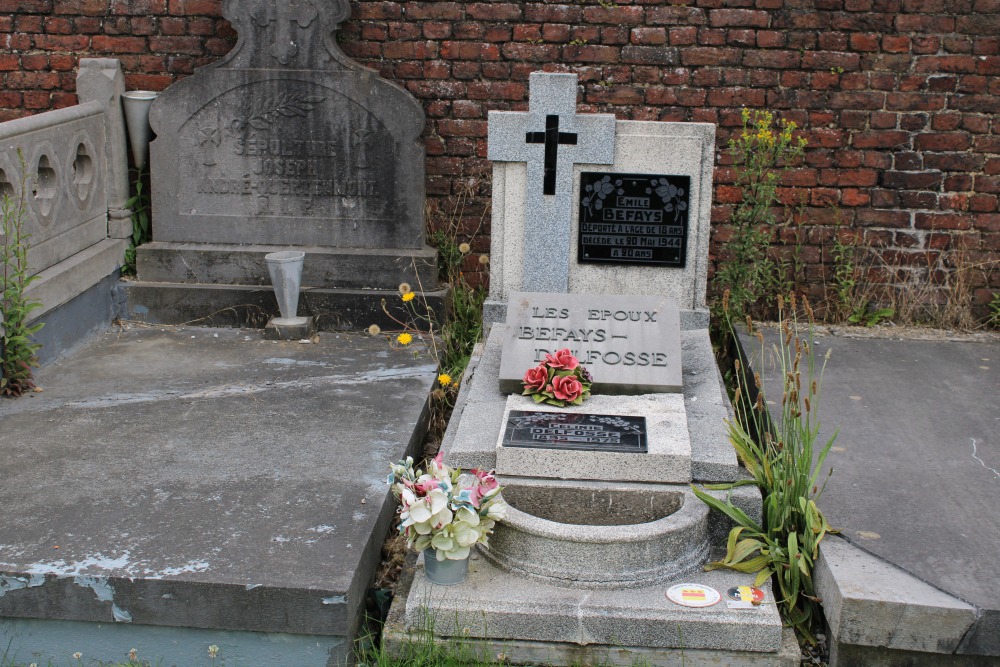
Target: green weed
point(761, 153)
point(19, 351)
point(779, 458)
point(141, 230)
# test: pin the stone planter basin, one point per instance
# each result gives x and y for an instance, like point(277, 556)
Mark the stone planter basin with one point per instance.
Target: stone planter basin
point(599, 534)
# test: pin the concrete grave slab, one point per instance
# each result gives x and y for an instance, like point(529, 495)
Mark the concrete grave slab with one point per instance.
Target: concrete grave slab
point(916, 463)
point(205, 479)
point(669, 446)
point(630, 344)
point(870, 602)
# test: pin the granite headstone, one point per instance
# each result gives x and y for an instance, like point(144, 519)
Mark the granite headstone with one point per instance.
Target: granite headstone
point(287, 141)
point(630, 344)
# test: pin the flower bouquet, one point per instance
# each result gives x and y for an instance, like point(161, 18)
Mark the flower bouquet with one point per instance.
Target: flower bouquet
point(445, 510)
point(560, 380)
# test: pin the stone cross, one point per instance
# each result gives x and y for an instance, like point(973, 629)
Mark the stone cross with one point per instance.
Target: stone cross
point(283, 15)
point(550, 137)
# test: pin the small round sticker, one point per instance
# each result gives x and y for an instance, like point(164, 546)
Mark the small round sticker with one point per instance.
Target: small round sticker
point(693, 595)
point(749, 594)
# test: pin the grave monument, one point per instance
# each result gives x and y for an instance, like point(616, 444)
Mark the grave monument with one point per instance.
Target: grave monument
point(602, 521)
point(285, 144)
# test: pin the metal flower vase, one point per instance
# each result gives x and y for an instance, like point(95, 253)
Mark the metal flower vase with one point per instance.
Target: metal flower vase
point(136, 104)
point(285, 268)
point(445, 572)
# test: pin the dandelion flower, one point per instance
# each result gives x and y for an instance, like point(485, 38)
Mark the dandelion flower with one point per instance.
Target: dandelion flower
point(408, 296)
point(464, 248)
point(213, 651)
point(374, 330)
point(484, 259)
point(405, 288)
point(444, 379)
point(404, 339)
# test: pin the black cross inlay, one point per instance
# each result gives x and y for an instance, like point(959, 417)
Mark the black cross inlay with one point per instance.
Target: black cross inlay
point(552, 138)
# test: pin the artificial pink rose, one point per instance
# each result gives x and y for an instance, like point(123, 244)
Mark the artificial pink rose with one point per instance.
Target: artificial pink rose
point(562, 359)
point(566, 388)
point(536, 378)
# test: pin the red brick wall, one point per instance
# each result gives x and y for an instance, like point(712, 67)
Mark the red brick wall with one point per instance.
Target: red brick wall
point(899, 99)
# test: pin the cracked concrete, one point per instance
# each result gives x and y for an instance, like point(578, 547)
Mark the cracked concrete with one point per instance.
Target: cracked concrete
point(204, 479)
point(915, 482)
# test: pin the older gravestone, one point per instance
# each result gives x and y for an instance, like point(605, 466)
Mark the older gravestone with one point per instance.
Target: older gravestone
point(286, 142)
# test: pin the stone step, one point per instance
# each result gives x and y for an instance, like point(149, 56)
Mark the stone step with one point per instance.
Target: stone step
point(529, 620)
point(324, 267)
point(250, 306)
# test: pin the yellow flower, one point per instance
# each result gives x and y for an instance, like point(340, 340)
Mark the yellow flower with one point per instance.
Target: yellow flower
point(404, 339)
point(408, 296)
point(444, 379)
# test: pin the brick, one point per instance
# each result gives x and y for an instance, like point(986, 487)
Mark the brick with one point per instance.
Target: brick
point(951, 64)
point(880, 139)
point(436, 30)
point(712, 36)
point(878, 218)
point(439, 10)
point(738, 18)
point(195, 7)
point(942, 141)
point(983, 203)
point(649, 55)
point(648, 36)
point(914, 102)
point(462, 128)
point(185, 45)
point(975, 103)
point(978, 25)
point(497, 91)
point(675, 15)
point(896, 44)
point(925, 23)
point(525, 51)
point(626, 15)
point(923, 220)
point(590, 54)
point(543, 13)
point(911, 180)
point(69, 43)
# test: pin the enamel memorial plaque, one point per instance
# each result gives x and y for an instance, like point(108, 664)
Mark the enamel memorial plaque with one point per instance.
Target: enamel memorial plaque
point(630, 344)
point(567, 430)
point(634, 219)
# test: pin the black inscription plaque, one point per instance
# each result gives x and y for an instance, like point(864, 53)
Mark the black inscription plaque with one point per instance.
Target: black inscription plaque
point(633, 218)
point(564, 430)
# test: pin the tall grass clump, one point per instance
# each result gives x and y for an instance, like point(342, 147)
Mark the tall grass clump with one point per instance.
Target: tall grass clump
point(779, 455)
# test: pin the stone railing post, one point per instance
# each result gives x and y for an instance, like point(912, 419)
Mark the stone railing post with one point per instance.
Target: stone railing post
point(101, 80)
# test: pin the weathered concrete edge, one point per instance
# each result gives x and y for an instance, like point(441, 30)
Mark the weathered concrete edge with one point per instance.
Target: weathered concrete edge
point(870, 602)
point(396, 638)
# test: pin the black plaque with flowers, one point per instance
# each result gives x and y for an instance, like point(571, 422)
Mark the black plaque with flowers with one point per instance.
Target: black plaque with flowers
point(634, 218)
